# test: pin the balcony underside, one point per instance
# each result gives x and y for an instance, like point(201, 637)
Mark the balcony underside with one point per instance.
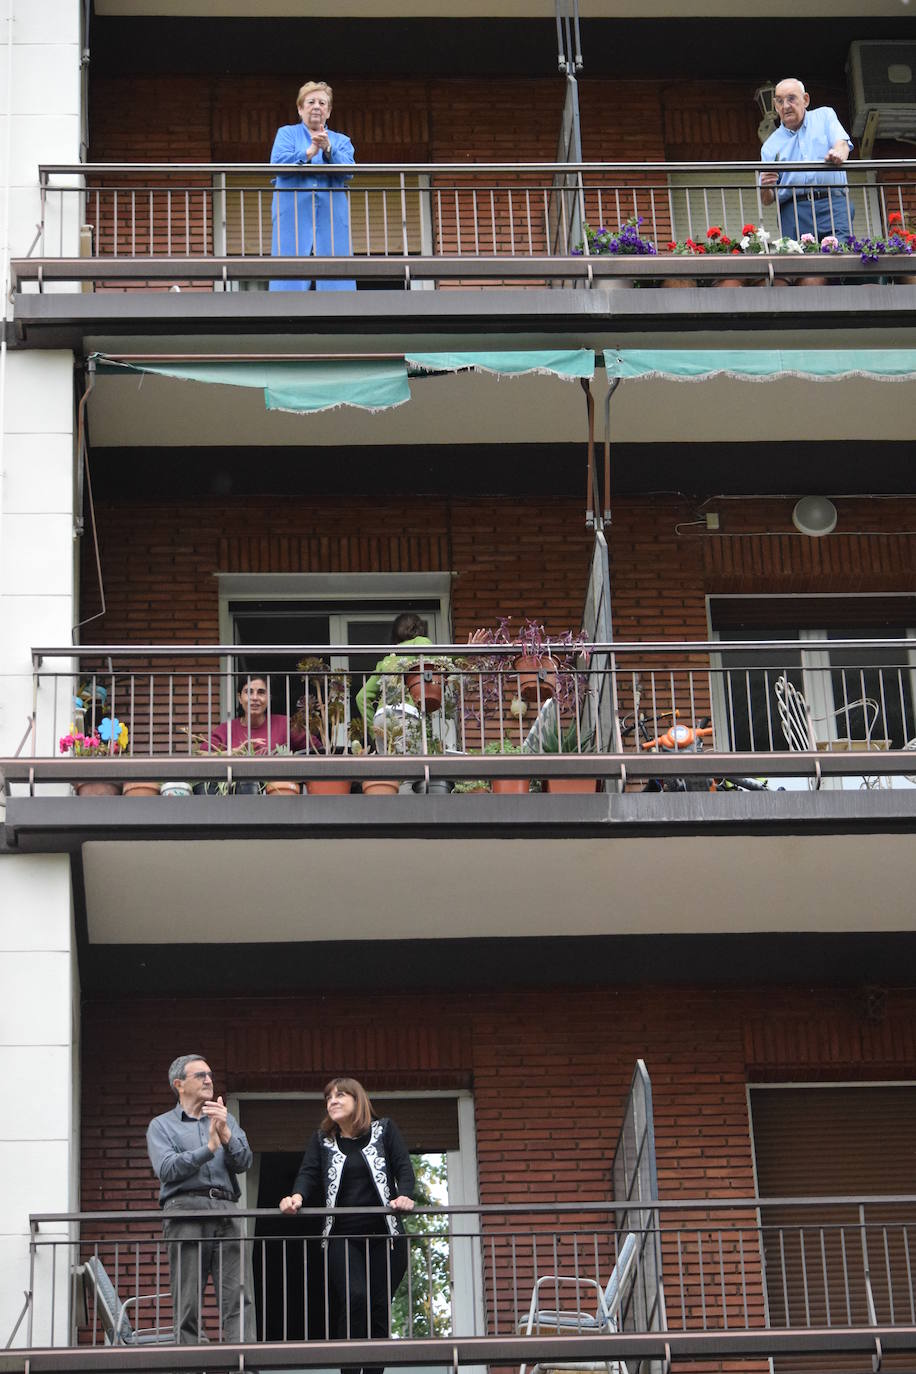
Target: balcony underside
point(289, 872)
point(65, 320)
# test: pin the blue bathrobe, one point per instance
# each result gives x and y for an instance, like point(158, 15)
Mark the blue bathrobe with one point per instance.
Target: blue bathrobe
point(308, 216)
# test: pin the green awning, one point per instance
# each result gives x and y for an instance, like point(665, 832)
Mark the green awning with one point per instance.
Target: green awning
point(761, 365)
point(309, 386)
point(304, 387)
point(569, 363)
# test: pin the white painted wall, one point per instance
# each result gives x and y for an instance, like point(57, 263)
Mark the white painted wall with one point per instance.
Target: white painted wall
point(38, 1009)
point(39, 992)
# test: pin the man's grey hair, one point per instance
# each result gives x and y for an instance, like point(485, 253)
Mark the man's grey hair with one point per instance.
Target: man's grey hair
point(178, 1066)
point(782, 81)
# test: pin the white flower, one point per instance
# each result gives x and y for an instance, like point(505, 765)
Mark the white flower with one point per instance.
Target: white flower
point(517, 707)
point(787, 245)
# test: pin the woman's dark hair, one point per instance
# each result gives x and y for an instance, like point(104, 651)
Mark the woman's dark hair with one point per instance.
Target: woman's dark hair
point(408, 625)
point(362, 1118)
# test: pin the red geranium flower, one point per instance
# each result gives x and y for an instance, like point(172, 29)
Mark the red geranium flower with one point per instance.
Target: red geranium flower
point(692, 245)
point(714, 232)
point(737, 250)
point(671, 246)
point(749, 229)
point(701, 247)
point(895, 218)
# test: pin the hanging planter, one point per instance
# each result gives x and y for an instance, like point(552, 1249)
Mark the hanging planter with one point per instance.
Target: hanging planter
point(537, 677)
point(425, 688)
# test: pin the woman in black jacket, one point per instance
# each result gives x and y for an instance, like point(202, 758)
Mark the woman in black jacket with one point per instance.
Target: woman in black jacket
point(355, 1160)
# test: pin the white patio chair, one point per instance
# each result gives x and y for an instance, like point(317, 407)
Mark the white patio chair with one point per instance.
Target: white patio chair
point(575, 1321)
point(796, 722)
point(798, 725)
point(114, 1315)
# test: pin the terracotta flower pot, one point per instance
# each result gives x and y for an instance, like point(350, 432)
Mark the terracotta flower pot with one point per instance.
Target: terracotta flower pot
point(97, 789)
point(673, 282)
point(281, 788)
point(426, 689)
point(381, 787)
point(572, 785)
point(141, 789)
point(328, 787)
point(510, 786)
point(537, 677)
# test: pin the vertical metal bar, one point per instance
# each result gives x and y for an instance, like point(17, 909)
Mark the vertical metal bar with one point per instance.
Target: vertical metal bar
point(804, 1270)
point(785, 1285)
point(845, 1276)
point(826, 1277)
point(405, 245)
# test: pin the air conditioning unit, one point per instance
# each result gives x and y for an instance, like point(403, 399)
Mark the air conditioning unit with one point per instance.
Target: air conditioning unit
point(882, 77)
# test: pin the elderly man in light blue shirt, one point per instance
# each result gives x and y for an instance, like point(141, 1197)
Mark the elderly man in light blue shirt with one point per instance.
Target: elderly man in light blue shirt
point(816, 201)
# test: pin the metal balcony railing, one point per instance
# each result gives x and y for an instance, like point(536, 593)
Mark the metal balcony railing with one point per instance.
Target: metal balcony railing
point(507, 1285)
point(426, 224)
point(673, 716)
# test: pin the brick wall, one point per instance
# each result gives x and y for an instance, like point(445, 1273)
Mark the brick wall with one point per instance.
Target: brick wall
point(549, 1072)
point(513, 556)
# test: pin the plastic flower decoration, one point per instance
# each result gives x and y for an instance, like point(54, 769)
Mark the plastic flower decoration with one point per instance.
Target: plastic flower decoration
point(787, 245)
point(113, 732)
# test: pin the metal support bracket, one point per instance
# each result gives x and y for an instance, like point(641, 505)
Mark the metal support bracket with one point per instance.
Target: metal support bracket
point(877, 1357)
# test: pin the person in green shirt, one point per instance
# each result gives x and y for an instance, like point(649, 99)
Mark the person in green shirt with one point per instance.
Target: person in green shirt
point(408, 630)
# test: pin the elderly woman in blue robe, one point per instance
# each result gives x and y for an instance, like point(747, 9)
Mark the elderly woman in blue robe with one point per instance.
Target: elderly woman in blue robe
point(310, 210)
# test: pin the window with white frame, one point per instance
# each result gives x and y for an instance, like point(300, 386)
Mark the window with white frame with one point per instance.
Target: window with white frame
point(323, 611)
point(854, 693)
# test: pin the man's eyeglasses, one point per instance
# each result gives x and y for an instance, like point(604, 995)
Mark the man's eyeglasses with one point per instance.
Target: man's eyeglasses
point(201, 1075)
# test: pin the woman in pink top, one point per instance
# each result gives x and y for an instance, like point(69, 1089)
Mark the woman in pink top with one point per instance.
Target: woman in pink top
point(255, 724)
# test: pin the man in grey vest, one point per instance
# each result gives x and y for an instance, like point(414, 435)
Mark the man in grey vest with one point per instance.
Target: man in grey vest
point(197, 1151)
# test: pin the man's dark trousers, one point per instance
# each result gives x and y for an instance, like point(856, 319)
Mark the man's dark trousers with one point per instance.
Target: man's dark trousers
point(201, 1247)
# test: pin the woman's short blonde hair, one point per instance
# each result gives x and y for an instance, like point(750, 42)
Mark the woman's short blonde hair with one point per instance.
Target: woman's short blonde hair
point(314, 86)
point(362, 1118)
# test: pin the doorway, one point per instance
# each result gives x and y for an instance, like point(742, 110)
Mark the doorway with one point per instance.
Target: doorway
point(441, 1295)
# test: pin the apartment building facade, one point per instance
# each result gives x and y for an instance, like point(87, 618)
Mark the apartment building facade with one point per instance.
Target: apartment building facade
point(492, 966)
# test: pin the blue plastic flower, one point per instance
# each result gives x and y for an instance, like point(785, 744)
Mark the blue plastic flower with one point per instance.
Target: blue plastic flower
point(109, 729)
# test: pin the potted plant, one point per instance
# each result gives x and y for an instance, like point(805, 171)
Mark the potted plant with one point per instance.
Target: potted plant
point(324, 715)
point(281, 787)
point(547, 736)
point(545, 663)
point(96, 746)
point(205, 748)
point(506, 786)
point(625, 241)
